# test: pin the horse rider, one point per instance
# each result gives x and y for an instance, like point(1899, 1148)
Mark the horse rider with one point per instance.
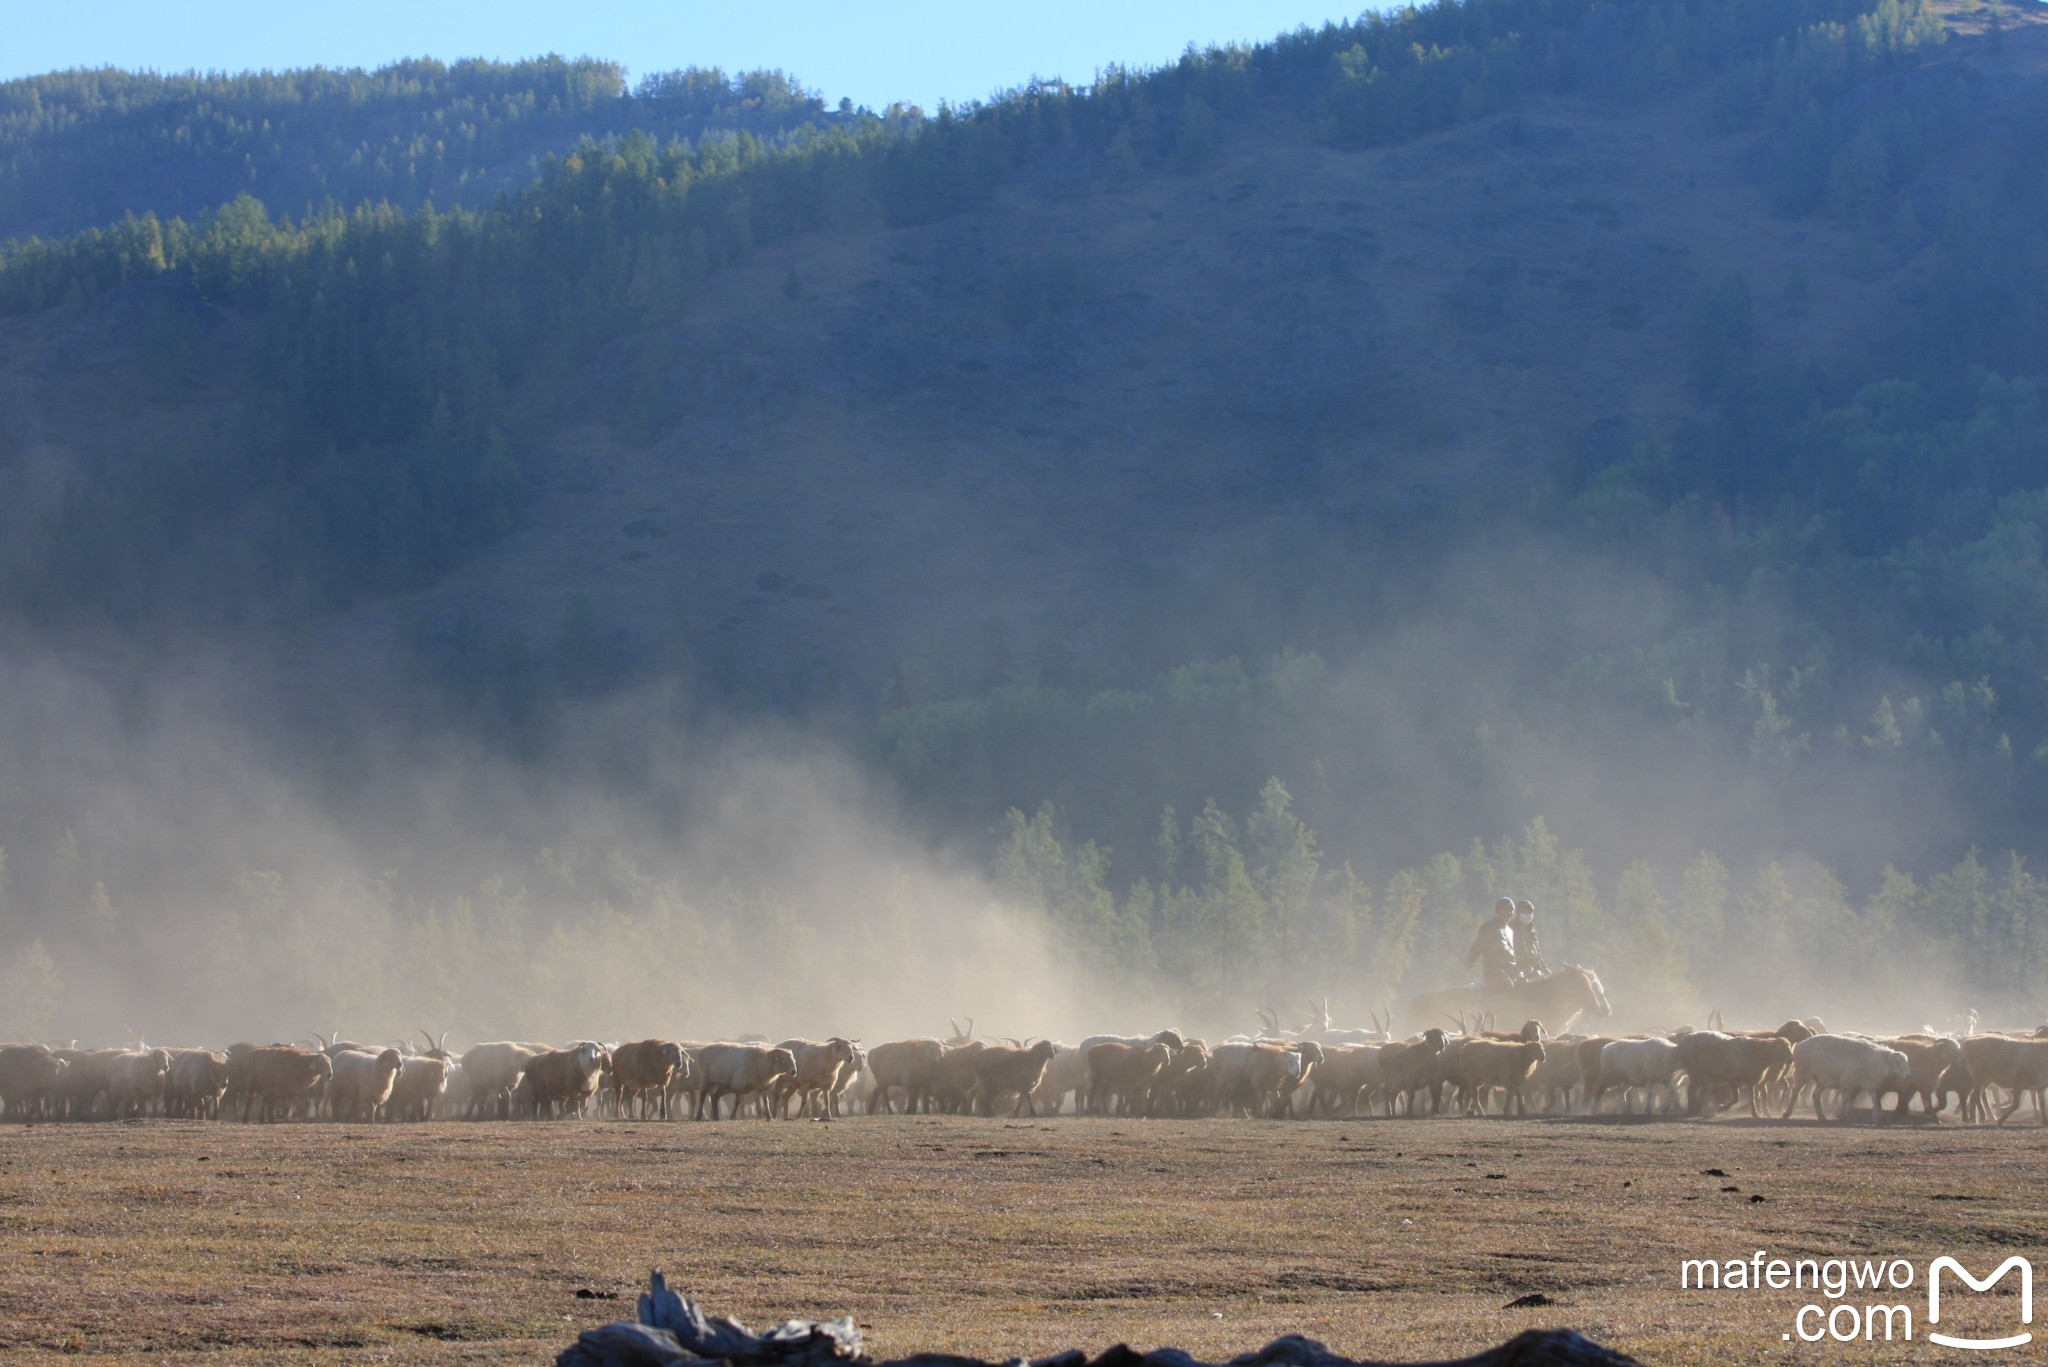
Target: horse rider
point(1493, 948)
point(1529, 964)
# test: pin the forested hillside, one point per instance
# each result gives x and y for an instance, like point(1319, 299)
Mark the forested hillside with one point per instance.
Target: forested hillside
point(83, 149)
point(1203, 493)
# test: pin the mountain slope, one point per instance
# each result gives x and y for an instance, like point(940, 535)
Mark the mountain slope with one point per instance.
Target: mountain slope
point(1654, 383)
point(1009, 414)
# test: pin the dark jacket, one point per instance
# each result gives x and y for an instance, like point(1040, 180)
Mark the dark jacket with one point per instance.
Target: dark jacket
point(1494, 948)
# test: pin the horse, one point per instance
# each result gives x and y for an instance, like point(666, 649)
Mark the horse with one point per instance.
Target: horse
point(1572, 991)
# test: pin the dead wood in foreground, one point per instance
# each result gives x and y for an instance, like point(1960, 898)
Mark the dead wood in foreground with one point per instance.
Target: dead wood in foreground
point(672, 1328)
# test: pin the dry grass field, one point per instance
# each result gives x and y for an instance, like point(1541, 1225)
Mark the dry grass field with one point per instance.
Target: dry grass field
point(1403, 1239)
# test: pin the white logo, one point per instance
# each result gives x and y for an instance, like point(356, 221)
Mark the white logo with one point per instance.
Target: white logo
point(2026, 1300)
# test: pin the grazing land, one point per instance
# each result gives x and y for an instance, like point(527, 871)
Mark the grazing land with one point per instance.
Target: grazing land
point(1401, 1239)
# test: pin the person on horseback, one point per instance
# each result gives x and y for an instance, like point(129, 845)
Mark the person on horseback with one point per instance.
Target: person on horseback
point(1529, 964)
point(1493, 948)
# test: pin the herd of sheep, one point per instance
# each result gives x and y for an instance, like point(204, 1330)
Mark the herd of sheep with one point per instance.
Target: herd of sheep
point(1314, 1071)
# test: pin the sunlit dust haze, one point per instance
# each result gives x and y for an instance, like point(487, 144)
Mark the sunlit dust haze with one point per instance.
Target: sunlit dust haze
point(698, 876)
point(669, 552)
point(768, 889)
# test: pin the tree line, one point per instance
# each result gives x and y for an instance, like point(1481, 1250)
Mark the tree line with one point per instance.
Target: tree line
point(1247, 903)
point(86, 148)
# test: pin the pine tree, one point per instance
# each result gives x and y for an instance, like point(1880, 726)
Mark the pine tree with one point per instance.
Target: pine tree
point(30, 993)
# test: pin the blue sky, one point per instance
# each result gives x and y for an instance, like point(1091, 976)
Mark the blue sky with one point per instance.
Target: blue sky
point(914, 50)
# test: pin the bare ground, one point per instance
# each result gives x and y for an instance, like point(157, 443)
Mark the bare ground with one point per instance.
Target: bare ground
point(1403, 1239)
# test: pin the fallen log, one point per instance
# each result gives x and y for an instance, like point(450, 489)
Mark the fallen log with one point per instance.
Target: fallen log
point(672, 1328)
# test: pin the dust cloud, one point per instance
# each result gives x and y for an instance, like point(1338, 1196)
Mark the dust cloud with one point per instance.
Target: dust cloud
point(198, 853)
point(170, 880)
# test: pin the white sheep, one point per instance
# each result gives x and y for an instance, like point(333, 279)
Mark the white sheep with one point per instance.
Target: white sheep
point(362, 1082)
point(1645, 1063)
point(1838, 1063)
